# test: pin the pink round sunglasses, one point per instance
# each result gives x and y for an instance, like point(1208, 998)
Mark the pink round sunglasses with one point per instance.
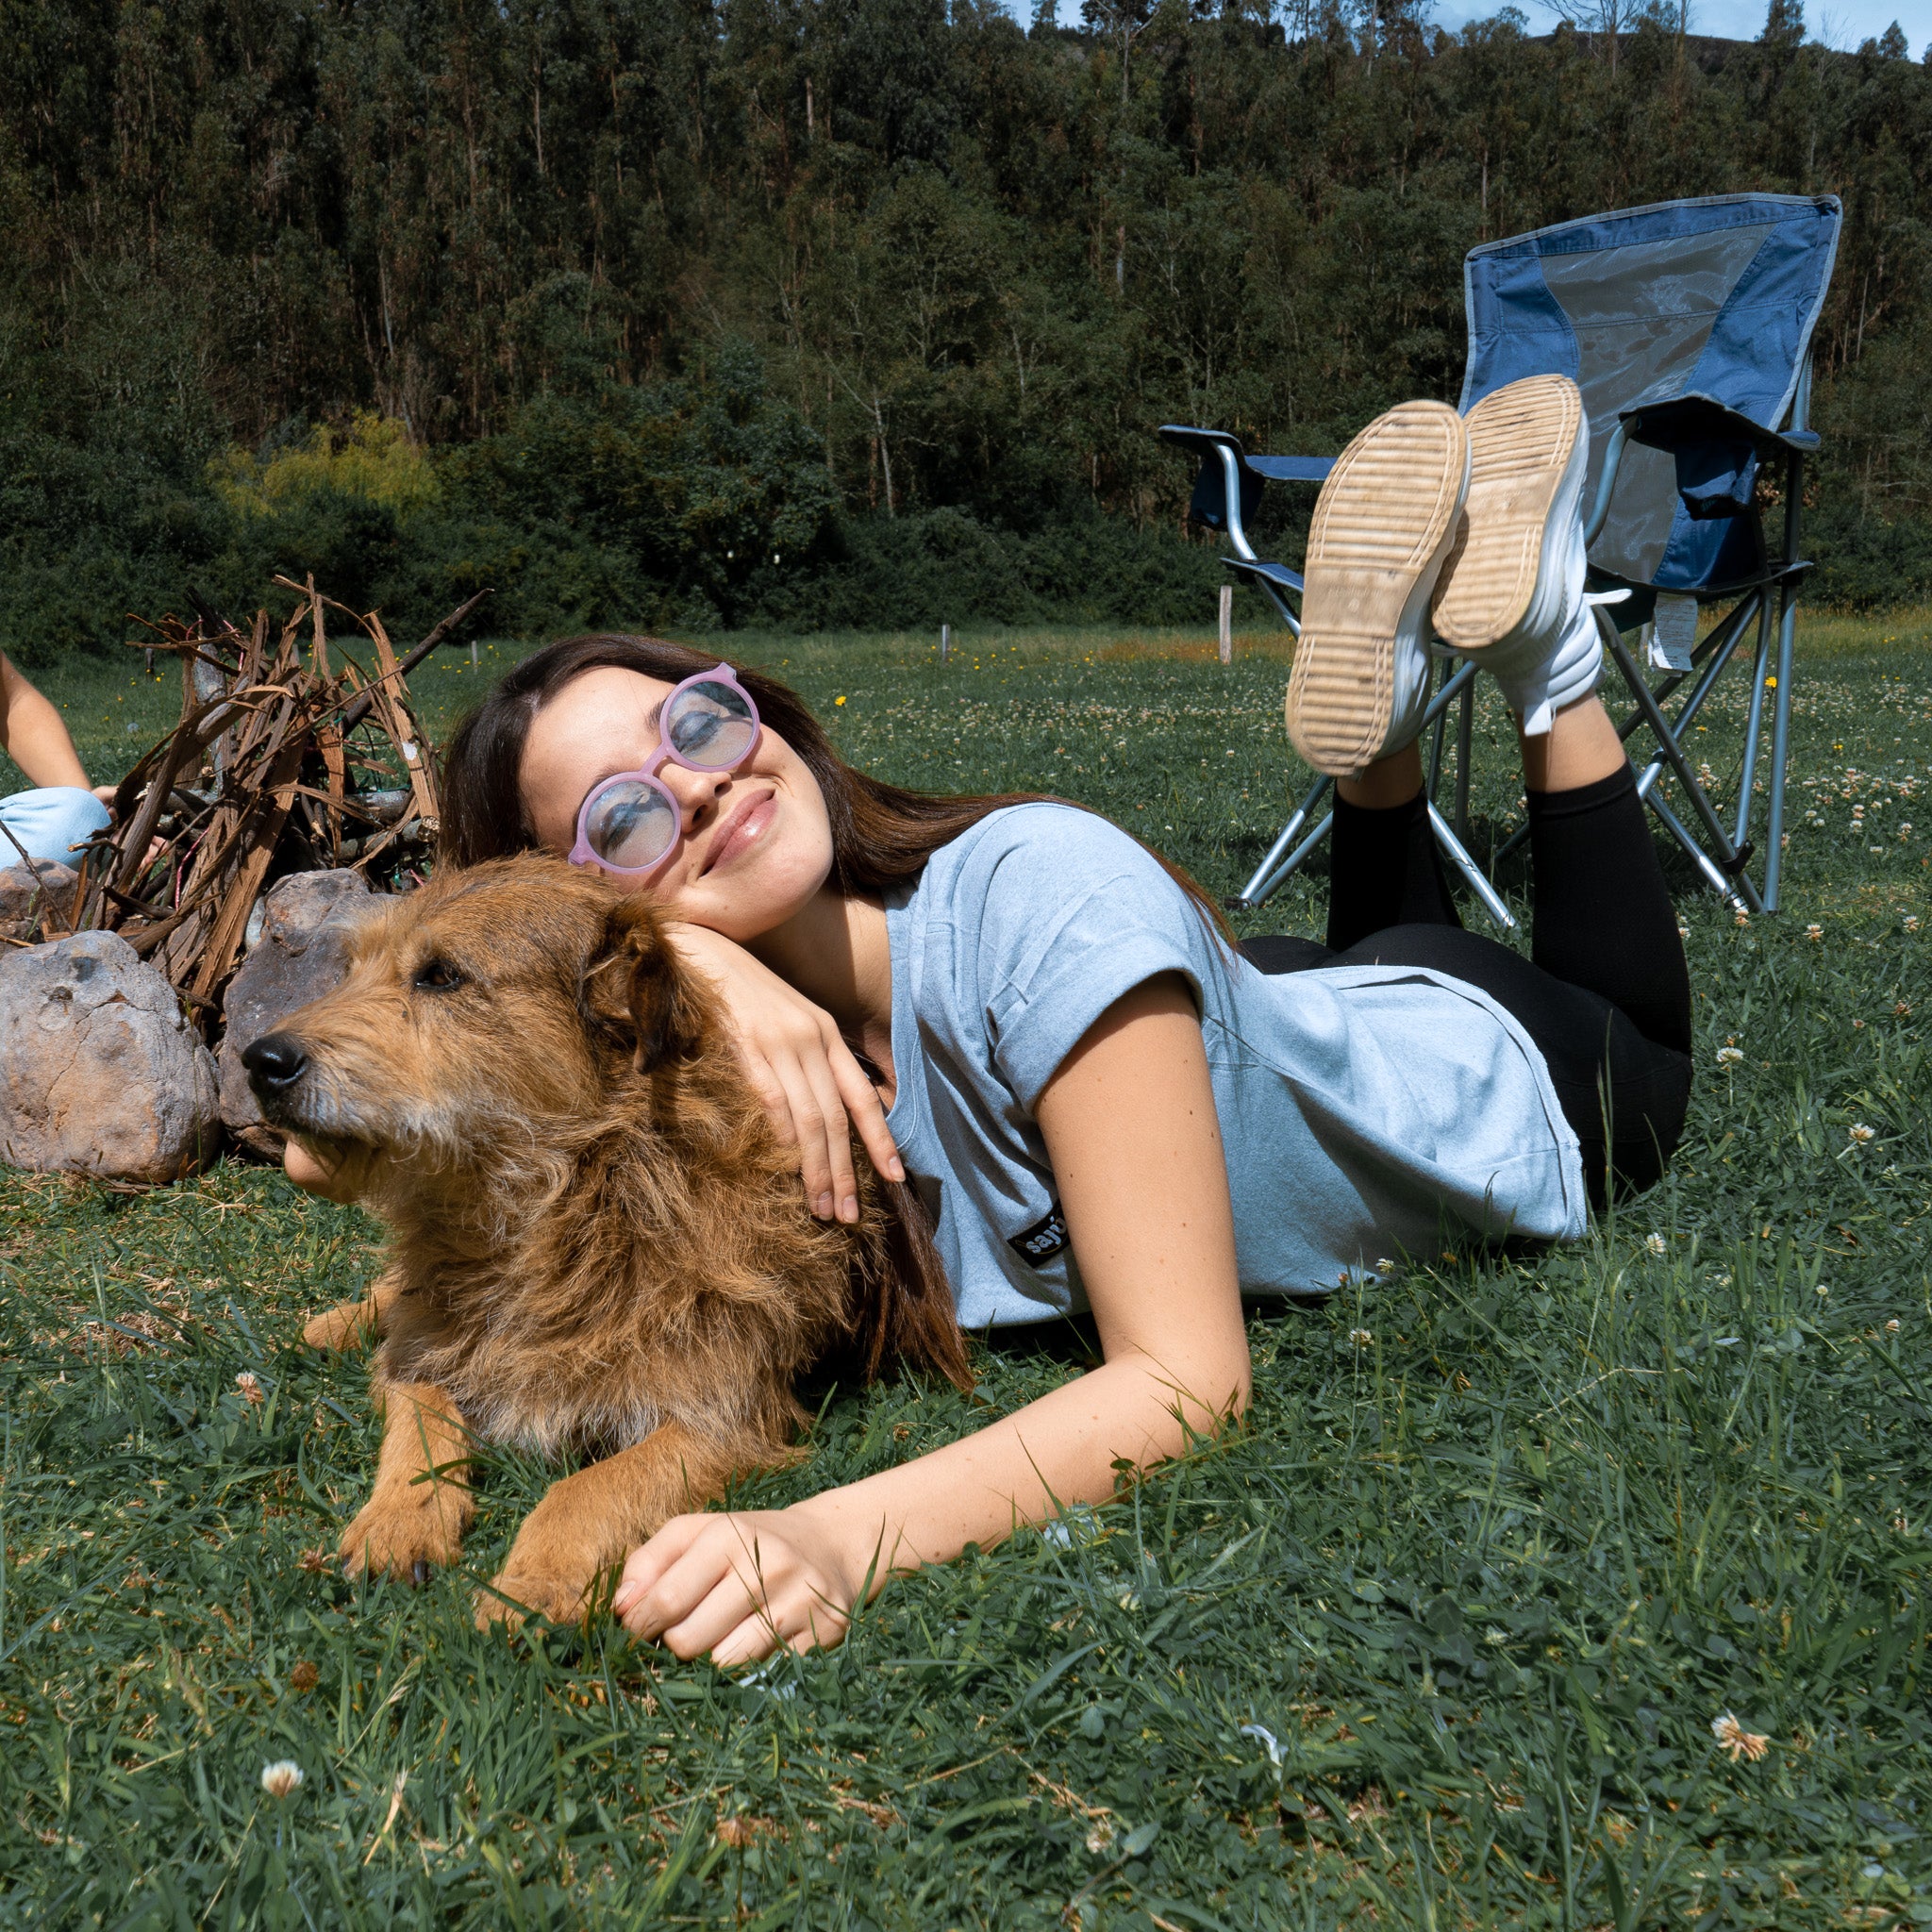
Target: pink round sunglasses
point(628, 823)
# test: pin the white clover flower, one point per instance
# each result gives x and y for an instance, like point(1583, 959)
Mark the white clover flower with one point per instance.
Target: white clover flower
point(1911, 921)
point(1861, 1133)
point(1824, 1290)
point(1655, 1243)
point(1494, 1633)
point(1891, 1326)
point(1361, 1337)
point(1814, 932)
point(249, 1386)
point(1729, 1056)
point(281, 1777)
point(1743, 918)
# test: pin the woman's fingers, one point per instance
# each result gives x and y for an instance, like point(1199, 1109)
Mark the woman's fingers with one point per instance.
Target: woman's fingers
point(867, 1112)
point(805, 1114)
point(734, 1586)
point(646, 1565)
point(836, 1133)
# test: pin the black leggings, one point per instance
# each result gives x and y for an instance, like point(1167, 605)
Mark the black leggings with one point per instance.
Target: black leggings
point(1605, 994)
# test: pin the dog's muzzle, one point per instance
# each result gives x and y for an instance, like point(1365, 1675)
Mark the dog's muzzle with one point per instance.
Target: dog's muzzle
point(275, 1064)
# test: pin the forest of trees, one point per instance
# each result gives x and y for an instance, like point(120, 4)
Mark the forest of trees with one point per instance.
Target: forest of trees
point(829, 311)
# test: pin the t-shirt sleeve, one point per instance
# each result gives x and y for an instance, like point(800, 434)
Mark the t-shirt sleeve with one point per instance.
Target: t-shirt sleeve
point(1071, 914)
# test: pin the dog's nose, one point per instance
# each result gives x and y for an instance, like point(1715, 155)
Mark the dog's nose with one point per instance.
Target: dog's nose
point(274, 1062)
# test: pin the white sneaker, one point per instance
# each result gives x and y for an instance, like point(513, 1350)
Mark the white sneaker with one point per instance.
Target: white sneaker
point(1386, 520)
point(1510, 596)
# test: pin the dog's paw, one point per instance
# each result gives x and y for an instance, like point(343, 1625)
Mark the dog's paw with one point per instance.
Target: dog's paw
point(561, 1599)
point(404, 1534)
point(349, 1325)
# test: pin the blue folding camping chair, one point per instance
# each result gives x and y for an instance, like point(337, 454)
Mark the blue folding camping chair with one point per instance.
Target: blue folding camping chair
point(1688, 326)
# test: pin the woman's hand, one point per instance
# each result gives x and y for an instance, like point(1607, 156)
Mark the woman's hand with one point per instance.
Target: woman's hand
point(809, 1079)
point(740, 1585)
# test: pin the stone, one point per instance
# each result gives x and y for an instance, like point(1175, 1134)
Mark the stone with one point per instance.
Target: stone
point(20, 918)
point(302, 954)
point(100, 1072)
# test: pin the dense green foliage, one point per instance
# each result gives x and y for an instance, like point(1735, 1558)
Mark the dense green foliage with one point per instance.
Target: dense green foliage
point(1500, 1543)
point(892, 291)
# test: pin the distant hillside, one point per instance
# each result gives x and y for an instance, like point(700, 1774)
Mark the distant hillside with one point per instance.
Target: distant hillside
point(709, 310)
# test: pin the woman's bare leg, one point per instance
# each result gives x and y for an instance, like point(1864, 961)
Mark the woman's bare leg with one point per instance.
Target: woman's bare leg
point(1393, 780)
point(1582, 746)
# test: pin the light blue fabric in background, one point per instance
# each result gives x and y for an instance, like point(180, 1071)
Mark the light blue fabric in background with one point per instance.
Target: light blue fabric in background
point(1362, 1108)
point(50, 822)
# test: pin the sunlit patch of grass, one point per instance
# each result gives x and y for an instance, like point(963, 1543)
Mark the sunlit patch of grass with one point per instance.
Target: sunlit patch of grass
point(1439, 1637)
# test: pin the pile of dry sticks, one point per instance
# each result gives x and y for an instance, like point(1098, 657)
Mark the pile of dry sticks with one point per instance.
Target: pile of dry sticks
point(281, 763)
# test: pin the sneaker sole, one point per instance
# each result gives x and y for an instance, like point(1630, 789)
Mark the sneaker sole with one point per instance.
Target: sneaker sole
point(1382, 525)
point(1523, 440)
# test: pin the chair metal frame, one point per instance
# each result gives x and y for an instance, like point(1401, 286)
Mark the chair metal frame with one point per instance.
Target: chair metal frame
point(1228, 490)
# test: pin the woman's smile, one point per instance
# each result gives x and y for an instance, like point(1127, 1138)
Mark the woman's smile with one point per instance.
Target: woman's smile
point(739, 829)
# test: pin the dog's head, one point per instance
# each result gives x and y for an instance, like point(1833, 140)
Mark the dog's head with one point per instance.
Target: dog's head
point(521, 991)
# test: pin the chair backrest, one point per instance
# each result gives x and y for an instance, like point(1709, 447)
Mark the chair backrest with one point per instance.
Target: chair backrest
point(1713, 298)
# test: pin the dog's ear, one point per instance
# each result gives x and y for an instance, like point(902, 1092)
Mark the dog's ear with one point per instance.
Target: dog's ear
point(635, 990)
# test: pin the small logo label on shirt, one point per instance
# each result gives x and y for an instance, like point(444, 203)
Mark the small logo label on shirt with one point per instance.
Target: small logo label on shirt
point(1041, 1242)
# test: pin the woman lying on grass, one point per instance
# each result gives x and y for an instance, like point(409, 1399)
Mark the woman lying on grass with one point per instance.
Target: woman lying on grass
point(1104, 1105)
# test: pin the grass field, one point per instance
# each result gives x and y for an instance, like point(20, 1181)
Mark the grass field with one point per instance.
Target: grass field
point(1438, 1639)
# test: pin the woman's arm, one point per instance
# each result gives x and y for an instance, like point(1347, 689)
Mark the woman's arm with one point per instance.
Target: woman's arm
point(1130, 1127)
point(33, 735)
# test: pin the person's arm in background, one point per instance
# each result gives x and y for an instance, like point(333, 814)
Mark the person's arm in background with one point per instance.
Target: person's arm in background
point(34, 737)
point(1131, 1129)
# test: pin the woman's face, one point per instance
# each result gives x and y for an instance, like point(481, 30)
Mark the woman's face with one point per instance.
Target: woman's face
point(755, 842)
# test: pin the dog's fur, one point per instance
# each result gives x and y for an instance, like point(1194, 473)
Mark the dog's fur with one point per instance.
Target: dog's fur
point(597, 1243)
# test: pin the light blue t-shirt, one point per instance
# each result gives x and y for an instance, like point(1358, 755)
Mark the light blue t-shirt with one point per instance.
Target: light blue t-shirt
point(1363, 1109)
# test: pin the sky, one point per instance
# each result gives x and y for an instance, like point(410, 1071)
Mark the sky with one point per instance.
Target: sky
point(1837, 22)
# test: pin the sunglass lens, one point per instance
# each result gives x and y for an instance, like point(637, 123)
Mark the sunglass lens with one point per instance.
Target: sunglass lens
point(630, 825)
point(711, 726)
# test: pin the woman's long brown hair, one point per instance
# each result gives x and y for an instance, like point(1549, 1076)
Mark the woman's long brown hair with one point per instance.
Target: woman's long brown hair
point(882, 835)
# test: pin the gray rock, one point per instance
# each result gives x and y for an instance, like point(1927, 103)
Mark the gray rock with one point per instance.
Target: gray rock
point(100, 1073)
point(19, 917)
point(302, 954)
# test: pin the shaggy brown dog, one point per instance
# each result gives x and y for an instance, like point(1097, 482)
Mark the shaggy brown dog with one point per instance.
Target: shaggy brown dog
point(597, 1243)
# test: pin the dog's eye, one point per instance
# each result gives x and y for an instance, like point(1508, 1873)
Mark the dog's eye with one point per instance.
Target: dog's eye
point(437, 975)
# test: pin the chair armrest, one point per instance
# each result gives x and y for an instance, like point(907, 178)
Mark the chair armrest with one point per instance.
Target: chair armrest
point(1222, 453)
point(1717, 450)
point(1277, 575)
point(1700, 418)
